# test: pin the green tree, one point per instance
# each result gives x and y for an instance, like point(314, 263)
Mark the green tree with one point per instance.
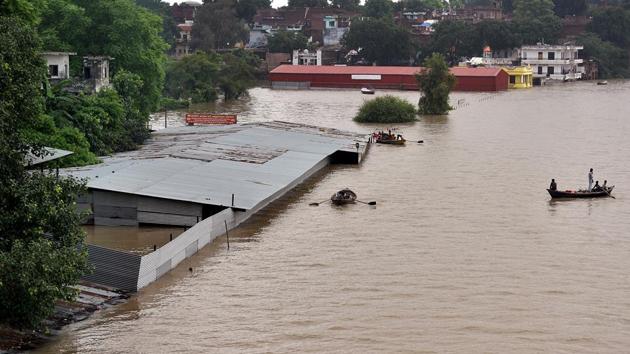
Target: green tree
point(350, 5)
point(27, 10)
point(611, 60)
point(386, 109)
point(497, 34)
point(246, 9)
point(133, 39)
point(238, 73)
point(436, 83)
point(378, 8)
point(455, 39)
point(41, 253)
point(418, 5)
point(217, 26)
point(564, 8)
point(169, 25)
point(535, 21)
point(63, 25)
point(194, 77)
point(380, 41)
point(612, 24)
point(287, 41)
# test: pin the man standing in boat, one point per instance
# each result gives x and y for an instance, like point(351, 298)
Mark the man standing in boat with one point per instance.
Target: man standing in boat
point(553, 185)
point(590, 180)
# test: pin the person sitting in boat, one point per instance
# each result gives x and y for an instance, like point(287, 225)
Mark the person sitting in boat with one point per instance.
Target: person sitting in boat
point(604, 185)
point(399, 137)
point(596, 187)
point(553, 185)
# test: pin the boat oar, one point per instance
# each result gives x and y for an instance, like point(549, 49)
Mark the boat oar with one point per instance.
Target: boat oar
point(368, 203)
point(317, 204)
point(607, 192)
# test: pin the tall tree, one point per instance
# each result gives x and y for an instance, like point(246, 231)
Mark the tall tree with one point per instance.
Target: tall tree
point(41, 253)
point(564, 8)
point(436, 83)
point(612, 61)
point(287, 42)
point(350, 5)
point(455, 39)
point(379, 40)
point(535, 21)
point(378, 8)
point(612, 24)
point(217, 26)
point(246, 9)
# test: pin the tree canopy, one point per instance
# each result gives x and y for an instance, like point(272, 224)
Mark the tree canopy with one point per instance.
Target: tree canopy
point(612, 24)
point(41, 251)
point(386, 109)
point(436, 83)
point(378, 8)
point(217, 26)
point(380, 41)
point(287, 41)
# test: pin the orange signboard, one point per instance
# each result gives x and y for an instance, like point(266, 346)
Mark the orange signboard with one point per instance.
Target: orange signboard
point(202, 118)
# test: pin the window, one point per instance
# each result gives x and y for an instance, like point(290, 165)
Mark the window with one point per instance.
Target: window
point(185, 37)
point(551, 55)
point(53, 70)
point(550, 70)
point(512, 79)
point(524, 55)
point(331, 23)
point(87, 72)
point(540, 55)
point(540, 70)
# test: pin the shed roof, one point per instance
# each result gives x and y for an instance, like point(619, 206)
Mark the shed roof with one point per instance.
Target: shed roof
point(50, 154)
point(477, 72)
point(346, 70)
point(207, 164)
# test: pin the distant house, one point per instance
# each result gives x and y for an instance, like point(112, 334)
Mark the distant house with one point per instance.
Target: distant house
point(96, 72)
point(58, 65)
point(184, 11)
point(315, 23)
point(553, 62)
point(184, 37)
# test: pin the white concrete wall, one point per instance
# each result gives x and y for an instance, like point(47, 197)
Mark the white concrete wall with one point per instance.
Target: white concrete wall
point(63, 65)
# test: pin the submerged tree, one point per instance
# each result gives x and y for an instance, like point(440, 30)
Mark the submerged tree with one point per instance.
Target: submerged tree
point(386, 109)
point(436, 83)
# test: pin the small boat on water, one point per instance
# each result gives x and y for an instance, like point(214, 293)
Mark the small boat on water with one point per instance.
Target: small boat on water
point(388, 138)
point(581, 193)
point(367, 91)
point(344, 196)
point(602, 82)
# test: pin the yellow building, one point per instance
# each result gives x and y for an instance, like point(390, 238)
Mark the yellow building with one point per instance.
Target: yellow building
point(520, 77)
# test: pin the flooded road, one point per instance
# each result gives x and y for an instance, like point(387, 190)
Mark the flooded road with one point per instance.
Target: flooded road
point(464, 251)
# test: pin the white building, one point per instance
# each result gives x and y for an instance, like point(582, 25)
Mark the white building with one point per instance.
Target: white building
point(184, 37)
point(553, 62)
point(58, 65)
point(307, 58)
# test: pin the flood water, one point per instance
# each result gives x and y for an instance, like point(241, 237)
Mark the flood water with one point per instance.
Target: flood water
point(463, 253)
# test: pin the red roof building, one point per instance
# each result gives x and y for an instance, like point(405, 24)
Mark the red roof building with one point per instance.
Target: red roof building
point(384, 77)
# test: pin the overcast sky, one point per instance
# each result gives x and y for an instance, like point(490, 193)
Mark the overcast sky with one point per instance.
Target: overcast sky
point(274, 3)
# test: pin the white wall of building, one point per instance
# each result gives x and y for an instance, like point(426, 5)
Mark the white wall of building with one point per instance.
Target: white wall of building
point(58, 65)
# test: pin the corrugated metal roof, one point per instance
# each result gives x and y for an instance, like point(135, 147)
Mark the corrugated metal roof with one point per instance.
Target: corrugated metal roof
point(346, 70)
point(206, 165)
point(51, 154)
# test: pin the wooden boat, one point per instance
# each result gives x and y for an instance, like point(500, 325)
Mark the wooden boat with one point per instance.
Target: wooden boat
point(344, 196)
point(602, 82)
point(367, 90)
point(580, 194)
point(391, 141)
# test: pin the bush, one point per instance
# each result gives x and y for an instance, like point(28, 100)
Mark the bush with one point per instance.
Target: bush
point(386, 109)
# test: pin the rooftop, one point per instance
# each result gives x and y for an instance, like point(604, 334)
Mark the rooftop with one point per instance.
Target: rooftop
point(377, 70)
point(207, 164)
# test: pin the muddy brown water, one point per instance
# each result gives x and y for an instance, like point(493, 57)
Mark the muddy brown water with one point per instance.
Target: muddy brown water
point(464, 251)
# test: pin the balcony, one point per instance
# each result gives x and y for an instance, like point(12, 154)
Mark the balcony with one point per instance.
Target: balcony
point(552, 61)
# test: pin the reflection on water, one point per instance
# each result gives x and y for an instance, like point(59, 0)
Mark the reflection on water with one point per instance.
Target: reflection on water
point(463, 252)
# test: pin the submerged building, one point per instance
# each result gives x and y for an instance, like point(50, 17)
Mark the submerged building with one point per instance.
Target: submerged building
point(384, 77)
point(553, 62)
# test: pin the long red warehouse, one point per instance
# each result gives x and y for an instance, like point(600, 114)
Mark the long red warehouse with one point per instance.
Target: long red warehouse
point(385, 77)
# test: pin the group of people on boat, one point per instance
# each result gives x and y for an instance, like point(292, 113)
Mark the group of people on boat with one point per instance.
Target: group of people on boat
point(381, 135)
point(591, 188)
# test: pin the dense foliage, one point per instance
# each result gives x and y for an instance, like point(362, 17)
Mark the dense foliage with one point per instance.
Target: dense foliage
point(436, 83)
point(203, 76)
point(287, 41)
point(41, 251)
point(386, 109)
point(612, 61)
point(380, 41)
point(217, 26)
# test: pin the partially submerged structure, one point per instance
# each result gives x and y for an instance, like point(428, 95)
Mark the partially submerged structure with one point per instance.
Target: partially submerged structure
point(209, 178)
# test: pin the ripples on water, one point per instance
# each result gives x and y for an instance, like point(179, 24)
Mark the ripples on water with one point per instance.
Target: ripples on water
point(464, 251)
